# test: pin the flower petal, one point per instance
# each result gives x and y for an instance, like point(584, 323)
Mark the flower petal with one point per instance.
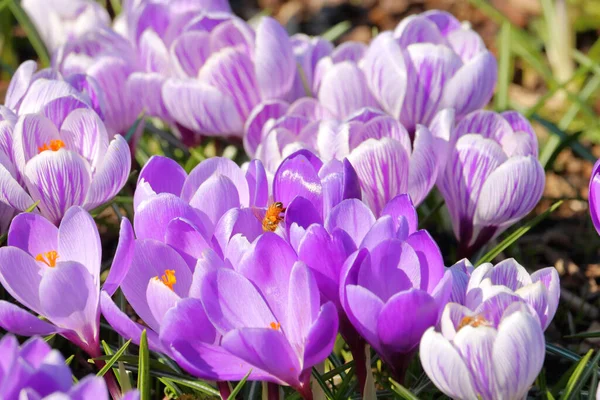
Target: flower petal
point(216, 166)
point(112, 174)
point(20, 275)
point(296, 176)
point(19, 84)
point(382, 167)
point(353, 217)
point(163, 174)
point(33, 233)
point(363, 309)
point(201, 107)
point(260, 115)
point(215, 196)
point(549, 277)
point(322, 335)
point(424, 163)
point(122, 260)
point(187, 321)
point(79, 240)
point(20, 322)
point(59, 179)
point(84, 132)
point(274, 60)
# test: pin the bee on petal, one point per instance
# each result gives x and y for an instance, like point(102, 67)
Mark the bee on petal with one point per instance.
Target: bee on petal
point(273, 217)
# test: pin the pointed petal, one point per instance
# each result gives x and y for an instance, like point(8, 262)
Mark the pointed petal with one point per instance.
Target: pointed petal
point(472, 86)
point(163, 174)
point(216, 166)
point(260, 115)
point(424, 163)
point(510, 192)
point(84, 132)
point(321, 336)
point(122, 260)
point(59, 179)
point(363, 309)
point(549, 277)
point(215, 196)
point(303, 306)
point(266, 349)
point(351, 216)
point(33, 233)
point(296, 176)
point(382, 167)
point(20, 275)
point(201, 107)
point(79, 240)
point(19, 84)
point(112, 174)
point(344, 90)
point(20, 322)
point(274, 60)
point(187, 321)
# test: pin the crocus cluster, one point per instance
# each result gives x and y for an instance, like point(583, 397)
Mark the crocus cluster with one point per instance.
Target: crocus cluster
point(490, 341)
point(35, 371)
point(254, 270)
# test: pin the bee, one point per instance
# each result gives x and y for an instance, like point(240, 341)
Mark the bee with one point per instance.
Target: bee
point(476, 321)
point(273, 217)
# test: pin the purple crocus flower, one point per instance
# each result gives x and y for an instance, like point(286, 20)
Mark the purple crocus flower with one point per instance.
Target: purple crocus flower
point(395, 285)
point(59, 152)
point(541, 290)
point(110, 60)
point(211, 188)
point(308, 51)
point(59, 21)
point(55, 272)
point(494, 352)
point(205, 69)
point(594, 195)
point(285, 335)
point(7, 124)
point(34, 371)
point(492, 177)
point(429, 62)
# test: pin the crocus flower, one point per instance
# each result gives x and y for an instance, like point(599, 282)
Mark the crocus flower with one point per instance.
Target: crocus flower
point(204, 69)
point(286, 334)
point(492, 176)
point(541, 290)
point(308, 52)
point(54, 272)
point(212, 187)
point(495, 352)
point(395, 286)
point(59, 21)
point(594, 194)
point(7, 124)
point(63, 160)
point(110, 60)
point(35, 371)
point(51, 94)
point(429, 62)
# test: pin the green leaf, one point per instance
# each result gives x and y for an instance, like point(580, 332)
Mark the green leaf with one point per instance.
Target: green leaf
point(595, 334)
point(402, 391)
point(134, 127)
point(143, 382)
point(322, 383)
point(580, 375)
point(337, 371)
point(336, 31)
point(32, 207)
point(238, 387)
point(70, 359)
point(547, 153)
point(32, 33)
point(113, 359)
point(516, 235)
point(504, 67)
point(116, 6)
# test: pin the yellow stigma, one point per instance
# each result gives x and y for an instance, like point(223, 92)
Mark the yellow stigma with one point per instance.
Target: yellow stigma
point(54, 145)
point(168, 278)
point(275, 325)
point(473, 321)
point(48, 258)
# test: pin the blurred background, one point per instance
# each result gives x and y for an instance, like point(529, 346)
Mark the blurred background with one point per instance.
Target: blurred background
point(549, 70)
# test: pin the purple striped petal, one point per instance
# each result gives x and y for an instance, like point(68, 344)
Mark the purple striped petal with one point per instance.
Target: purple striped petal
point(429, 68)
point(274, 60)
point(84, 132)
point(189, 52)
point(382, 167)
point(112, 175)
point(423, 165)
point(260, 115)
point(417, 29)
point(31, 132)
point(472, 86)
point(154, 55)
point(19, 84)
point(148, 90)
point(510, 192)
point(232, 73)
point(201, 107)
point(257, 184)
point(344, 90)
point(59, 180)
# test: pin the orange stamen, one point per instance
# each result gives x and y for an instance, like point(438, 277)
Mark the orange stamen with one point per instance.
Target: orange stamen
point(473, 321)
point(48, 258)
point(55, 145)
point(168, 278)
point(275, 325)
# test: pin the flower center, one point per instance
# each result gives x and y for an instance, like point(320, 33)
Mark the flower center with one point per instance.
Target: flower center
point(48, 258)
point(476, 321)
point(54, 145)
point(168, 278)
point(275, 325)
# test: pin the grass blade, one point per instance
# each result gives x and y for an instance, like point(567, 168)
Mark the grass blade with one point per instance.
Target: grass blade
point(580, 375)
point(144, 368)
point(401, 391)
point(504, 68)
point(238, 387)
point(516, 235)
point(32, 34)
point(113, 359)
point(336, 31)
